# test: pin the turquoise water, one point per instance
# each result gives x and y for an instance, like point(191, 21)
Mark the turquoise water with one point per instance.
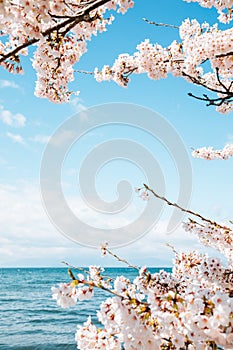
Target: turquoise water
point(31, 320)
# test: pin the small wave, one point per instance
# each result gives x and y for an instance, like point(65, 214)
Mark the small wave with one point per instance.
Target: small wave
point(52, 346)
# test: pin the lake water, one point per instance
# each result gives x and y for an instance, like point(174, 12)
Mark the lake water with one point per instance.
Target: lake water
point(31, 320)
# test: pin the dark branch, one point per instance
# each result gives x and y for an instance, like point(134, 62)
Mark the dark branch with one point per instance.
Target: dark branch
point(220, 82)
point(218, 101)
point(211, 101)
point(199, 81)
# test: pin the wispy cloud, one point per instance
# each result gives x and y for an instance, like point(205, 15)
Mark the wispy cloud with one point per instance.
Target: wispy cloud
point(16, 138)
point(40, 139)
point(77, 104)
point(11, 119)
point(79, 107)
point(62, 137)
point(8, 83)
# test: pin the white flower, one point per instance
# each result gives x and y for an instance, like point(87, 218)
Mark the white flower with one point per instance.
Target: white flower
point(65, 295)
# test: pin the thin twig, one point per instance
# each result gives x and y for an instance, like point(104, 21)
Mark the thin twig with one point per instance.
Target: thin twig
point(75, 267)
point(160, 24)
point(83, 72)
point(121, 259)
point(172, 248)
point(185, 210)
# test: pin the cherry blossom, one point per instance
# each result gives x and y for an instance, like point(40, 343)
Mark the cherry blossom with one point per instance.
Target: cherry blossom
point(65, 294)
point(188, 308)
point(89, 337)
point(59, 30)
point(210, 154)
point(199, 43)
point(224, 8)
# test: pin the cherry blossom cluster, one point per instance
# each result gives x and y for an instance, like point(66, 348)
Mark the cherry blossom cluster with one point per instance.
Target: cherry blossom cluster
point(208, 153)
point(212, 269)
point(90, 337)
point(199, 43)
point(67, 294)
point(224, 8)
point(213, 235)
point(81, 288)
point(59, 30)
point(190, 308)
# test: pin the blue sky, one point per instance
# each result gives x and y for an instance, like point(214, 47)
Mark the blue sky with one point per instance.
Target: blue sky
point(27, 238)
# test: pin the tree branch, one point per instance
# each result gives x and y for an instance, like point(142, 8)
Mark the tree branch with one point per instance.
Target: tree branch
point(121, 259)
point(70, 22)
point(212, 101)
point(201, 83)
point(84, 72)
point(160, 24)
point(185, 210)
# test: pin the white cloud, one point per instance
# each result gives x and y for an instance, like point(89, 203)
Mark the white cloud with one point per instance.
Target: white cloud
point(27, 238)
point(14, 120)
point(40, 139)
point(77, 104)
point(16, 138)
point(79, 107)
point(62, 137)
point(8, 83)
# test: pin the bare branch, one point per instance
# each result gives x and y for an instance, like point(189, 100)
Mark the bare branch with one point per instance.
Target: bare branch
point(84, 72)
point(121, 259)
point(201, 83)
point(160, 24)
point(218, 101)
point(219, 80)
point(185, 210)
point(75, 267)
point(211, 101)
